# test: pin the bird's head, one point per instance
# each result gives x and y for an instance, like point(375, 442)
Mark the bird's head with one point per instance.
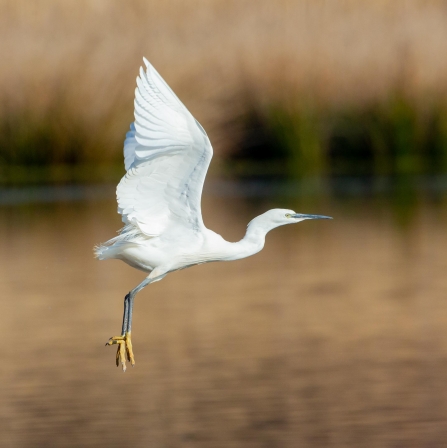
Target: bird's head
point(279, 217)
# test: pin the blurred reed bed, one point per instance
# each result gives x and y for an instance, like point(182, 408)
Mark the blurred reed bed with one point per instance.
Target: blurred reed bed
point(327, 87)
point(393, 138)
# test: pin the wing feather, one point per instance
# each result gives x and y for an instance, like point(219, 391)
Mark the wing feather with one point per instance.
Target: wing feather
point(166, 155)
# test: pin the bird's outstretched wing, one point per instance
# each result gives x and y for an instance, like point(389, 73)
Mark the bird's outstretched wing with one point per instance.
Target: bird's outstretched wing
point(166, 155)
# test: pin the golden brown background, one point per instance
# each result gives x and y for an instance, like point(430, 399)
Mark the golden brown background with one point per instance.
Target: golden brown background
point(335, 335)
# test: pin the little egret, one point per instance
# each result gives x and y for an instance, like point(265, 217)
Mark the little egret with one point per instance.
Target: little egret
point(166, 157)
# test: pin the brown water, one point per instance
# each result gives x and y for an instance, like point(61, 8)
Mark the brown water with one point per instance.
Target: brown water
point(335, 335)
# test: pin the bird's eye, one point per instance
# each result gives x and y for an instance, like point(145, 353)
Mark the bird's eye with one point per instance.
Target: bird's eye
point(288, 215)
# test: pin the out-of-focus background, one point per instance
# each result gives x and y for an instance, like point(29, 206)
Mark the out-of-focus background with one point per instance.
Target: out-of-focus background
point(335, 335)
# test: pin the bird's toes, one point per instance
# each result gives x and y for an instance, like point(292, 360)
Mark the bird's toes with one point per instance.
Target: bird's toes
point(124, 350)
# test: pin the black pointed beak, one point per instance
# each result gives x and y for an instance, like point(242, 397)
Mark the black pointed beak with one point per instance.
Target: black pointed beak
point(301, 216)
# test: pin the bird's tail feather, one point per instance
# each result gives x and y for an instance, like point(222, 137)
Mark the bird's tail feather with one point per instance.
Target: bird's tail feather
point(99, 251)
point(127, 235)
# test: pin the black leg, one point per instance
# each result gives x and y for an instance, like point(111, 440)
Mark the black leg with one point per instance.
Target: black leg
point(130, 297)
point(130, 312)
point(124, 341)
point(125, 315)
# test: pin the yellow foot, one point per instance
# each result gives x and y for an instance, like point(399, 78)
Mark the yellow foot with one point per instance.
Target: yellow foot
point(124, 348)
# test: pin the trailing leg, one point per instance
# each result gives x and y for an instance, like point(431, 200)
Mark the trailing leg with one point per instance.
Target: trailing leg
point(124, 341)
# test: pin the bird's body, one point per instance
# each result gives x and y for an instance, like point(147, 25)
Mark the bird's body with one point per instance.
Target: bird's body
point(167, 154)
point(179, 250)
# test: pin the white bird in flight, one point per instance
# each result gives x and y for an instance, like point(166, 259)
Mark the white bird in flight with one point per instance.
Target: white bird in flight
point(166, 156)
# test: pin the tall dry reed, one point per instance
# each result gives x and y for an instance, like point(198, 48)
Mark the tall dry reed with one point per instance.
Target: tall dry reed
point(68, 68)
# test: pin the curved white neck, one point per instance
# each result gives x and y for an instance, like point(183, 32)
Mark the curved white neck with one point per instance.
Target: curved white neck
point(252, 243)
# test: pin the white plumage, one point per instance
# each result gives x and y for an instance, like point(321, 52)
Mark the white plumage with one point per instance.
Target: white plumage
point(166, 156)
